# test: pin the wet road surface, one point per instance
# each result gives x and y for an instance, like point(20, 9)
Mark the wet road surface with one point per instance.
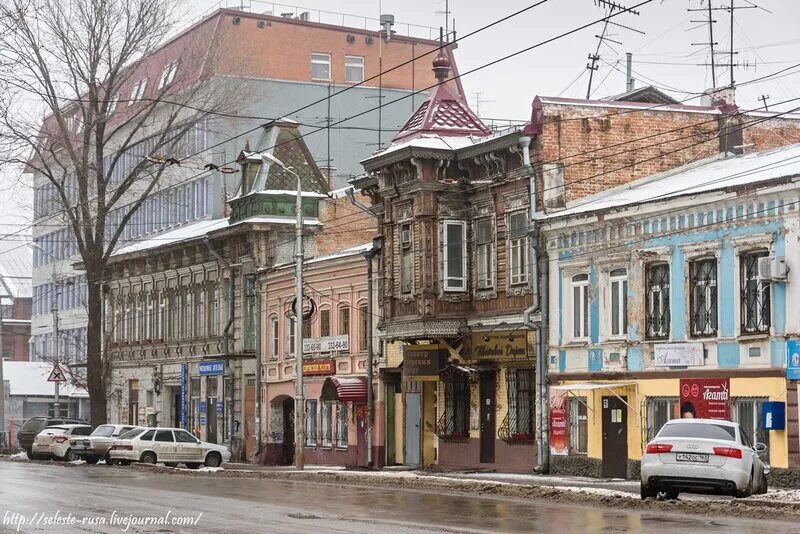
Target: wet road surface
point(264, 505)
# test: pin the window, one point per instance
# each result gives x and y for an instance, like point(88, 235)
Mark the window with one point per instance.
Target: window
point(320, 66)
point(578, 430)
point(344, 321)
point(657, 314)
point(273, 332)
point(619, 302)
point(168, 74)
point(112, 105)
point(406, 259)
point(362, 327)
point(484, 257)
point(353, 69)
point(659, 411)
point(454, 255)
point(199, 311)
point(326, 418)
point(186, 315)
point(181, 436)
point(580, 306)
point(250, 313)
point(147, 436)
point(518, 248)
point(341, 424)
point(755, 295)
point(311, 423)
point(138, 91)
point(747, 412)
point(213, 309)
point(290, 335)
point(521, 404)
point(324, 323)
point(703, 280)
point(454, 422)
point(164, 435)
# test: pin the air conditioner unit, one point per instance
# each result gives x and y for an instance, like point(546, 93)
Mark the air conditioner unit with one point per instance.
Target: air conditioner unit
point(772, 268)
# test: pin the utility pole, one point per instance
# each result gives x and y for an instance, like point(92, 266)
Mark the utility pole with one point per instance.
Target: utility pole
point(711, 43)
point(300, 403)
point(56, 356)
point(764, 98)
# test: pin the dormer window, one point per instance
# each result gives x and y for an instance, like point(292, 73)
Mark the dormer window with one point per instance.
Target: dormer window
point(138, 91)
point(112, 105)
point(168, 74)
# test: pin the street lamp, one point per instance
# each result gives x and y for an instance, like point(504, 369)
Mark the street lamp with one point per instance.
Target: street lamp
point(299, 403)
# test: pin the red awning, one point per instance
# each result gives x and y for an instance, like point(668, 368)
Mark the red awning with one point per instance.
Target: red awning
point(353, 389)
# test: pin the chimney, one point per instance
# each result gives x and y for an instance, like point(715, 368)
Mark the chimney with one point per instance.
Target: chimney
point(330, 174)
point(719, 97)
point(731, 138)
point(629, 72)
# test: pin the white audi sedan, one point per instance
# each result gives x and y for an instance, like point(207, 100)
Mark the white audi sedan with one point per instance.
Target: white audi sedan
point(703, 456)
point(53, 441)
point(170, 446)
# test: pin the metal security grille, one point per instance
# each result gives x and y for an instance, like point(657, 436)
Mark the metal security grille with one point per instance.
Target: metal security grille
point(703, 276)
point(454, 422)
point(517, 426)
point(578, 425)
point(746, 412)
point(657, 313)
point(755, 295)
point(659, 411)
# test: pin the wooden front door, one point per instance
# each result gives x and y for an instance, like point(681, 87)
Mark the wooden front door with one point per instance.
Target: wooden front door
point(249, 418)
point(615, 437)
point(362, 458)
point(488, 416)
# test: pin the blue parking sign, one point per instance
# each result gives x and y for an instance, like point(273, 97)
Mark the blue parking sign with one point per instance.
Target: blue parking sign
point(793, 359)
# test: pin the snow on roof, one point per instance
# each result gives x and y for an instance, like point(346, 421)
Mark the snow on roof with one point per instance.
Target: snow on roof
point(200, 229)
point(16, 267)
point(712, 174)
point(431, 142)
point(353, 251)
point(643, 106)
point(30, 379)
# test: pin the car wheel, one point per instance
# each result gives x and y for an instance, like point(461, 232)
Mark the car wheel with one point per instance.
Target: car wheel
point(646, 492)
point(748, 491)
point(171, 464)
point(148, 458)
point(108, 460)
point(193, 465)
point(762, 488)
point(670, 495)
point(30, 454)
point(124, 462)
point(69, 456)
point(91, 460)
point(213, 459)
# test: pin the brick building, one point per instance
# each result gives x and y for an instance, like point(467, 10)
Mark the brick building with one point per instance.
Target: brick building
point(15, 300)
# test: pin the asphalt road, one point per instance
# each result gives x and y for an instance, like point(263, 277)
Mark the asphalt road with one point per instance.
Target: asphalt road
point(93, 494)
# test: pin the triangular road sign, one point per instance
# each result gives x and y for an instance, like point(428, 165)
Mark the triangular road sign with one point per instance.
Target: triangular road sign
point(57, 375)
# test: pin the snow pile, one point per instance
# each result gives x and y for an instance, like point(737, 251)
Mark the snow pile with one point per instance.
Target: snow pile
point(101, 462)
point(210, 469)
point(22, 455)
point(780, 495)
point(78, 462)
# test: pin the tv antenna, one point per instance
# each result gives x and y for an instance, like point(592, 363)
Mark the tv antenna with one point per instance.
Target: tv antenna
point(611, 7)
point(480, 100)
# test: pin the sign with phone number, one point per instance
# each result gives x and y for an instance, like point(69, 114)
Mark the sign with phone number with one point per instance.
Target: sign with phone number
point(326, 344)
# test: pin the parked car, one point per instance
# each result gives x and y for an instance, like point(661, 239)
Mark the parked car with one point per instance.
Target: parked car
point(53, 441)
point(170, 446)
point(703, 456)
point(95, 447)
point(34, 425)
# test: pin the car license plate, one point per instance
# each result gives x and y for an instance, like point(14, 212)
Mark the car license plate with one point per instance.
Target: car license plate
point(691, 457)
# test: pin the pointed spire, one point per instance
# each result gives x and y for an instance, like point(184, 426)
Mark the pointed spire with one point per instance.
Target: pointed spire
point(247, 145)
point(441, 63)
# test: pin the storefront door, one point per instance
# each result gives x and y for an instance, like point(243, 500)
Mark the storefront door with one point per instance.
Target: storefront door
point(412, 435)
point(488, 416)
point(361, 435)
point(249, 418)
point(615, 437)
point(288, 431)
point(176, 409)
point(211, 420)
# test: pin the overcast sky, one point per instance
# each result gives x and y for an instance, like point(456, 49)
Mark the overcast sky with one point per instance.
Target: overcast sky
point(664, 56)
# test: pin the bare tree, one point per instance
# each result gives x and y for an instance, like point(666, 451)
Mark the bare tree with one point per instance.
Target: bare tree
point(80, 65)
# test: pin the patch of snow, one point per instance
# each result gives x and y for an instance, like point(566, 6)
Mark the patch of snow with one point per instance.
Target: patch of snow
point(779, 495)
point(210, 469)
point(22, 455)
point(78, 462)
point(101, 462)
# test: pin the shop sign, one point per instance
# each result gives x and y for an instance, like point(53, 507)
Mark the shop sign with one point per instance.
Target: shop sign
point(212, 368)
point(793, 359)
point(705, 398)
point(678, 355)
point(319, 367)
point(184, 379)
point(559, 437)
point(422, 362)
point(499, 345)
point(326, 344)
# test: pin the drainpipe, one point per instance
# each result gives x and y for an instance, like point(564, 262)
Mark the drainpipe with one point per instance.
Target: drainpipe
point(539, 305)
